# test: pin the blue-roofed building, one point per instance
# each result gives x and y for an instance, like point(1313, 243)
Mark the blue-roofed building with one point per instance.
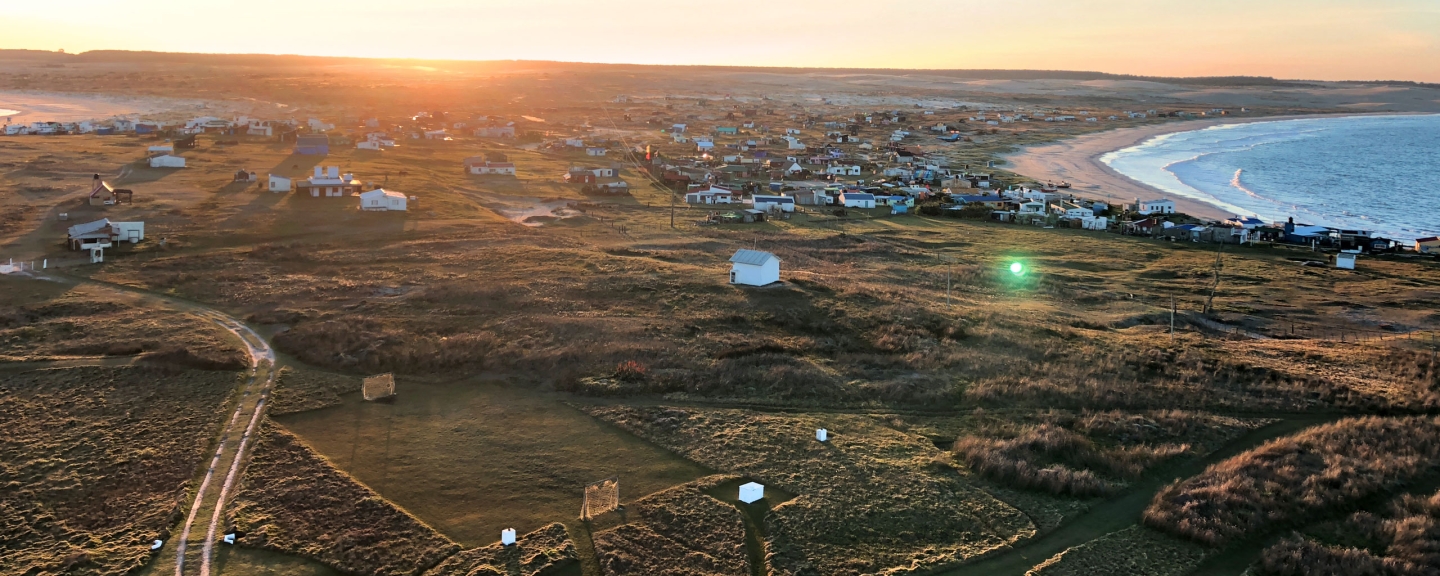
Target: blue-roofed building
point(312, 144)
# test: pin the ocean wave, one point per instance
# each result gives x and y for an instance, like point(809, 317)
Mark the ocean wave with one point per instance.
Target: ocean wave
point(1316, 170)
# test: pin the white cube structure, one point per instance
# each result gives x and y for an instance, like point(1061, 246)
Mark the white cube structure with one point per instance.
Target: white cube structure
point(507, 537)
point(751, 492)
point(822, 434)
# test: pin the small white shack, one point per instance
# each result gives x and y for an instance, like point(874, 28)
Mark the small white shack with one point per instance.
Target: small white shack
point(381, 200)
point(754, 268)
point(1345, 260)
point(279, 183)
point(752, 492)
point(167, 161)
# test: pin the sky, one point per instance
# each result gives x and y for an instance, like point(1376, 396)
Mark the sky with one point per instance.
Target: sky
point(1304, 39)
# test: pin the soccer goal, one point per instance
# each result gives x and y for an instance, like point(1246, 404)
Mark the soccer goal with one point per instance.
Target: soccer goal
point(601, 497)
point(379, 386)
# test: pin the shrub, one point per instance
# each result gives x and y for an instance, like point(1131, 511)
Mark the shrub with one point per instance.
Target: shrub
point(630, 371)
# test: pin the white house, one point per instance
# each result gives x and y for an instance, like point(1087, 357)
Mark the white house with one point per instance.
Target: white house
point(167, 161)
point(1160, 206)
point(754, 268)
point(857, 200)
point(704, 146)
point(711, 195)
point(279, 183)
point(382, 200)
point(575, 142)
point(162, 149)
point(477, 166)
point(795, 145)
point(594, 151)
point(101, 233)
point(767, 203)
point(368, 145)
point(843, 170)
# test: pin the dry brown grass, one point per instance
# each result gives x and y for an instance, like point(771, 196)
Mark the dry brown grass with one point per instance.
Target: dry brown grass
point(680, 531)
point(293, 501)
point(1134, 551)
point(1403, 542)
point(48, 320)
point(1320, 471)
point(872, 500)
point(541, 552)
point(1087, 453)
point(94, 463)
point(298, 389)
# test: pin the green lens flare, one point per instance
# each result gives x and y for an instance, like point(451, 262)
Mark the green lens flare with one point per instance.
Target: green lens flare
point(1017, 268)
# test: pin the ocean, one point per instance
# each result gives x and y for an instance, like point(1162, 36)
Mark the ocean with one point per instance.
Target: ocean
point(1376, 173)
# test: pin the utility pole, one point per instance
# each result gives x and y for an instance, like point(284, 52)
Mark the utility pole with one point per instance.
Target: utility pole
point(947, 283)
point(672, 209)
point(1219, 262)
point(1172, 318)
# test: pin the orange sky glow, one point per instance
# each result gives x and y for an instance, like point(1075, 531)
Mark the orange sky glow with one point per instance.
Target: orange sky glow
point(1307, 39)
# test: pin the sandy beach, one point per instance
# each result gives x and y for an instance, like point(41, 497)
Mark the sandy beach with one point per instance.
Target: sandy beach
point(25, 107)
point(1077, 161)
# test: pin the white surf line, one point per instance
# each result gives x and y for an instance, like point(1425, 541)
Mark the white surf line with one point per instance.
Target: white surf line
point(235, 465)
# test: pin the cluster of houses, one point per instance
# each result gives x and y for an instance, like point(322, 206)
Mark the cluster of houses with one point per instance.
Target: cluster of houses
point(330, 182)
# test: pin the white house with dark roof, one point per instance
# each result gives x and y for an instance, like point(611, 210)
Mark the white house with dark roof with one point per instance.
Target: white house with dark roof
point(1157, 206)
point(754, 268)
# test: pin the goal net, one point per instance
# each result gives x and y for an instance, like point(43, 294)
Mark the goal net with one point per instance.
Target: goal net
point(601, 497)
point(379, 386)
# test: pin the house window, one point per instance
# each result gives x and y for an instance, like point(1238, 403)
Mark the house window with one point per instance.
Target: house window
point(732, 276)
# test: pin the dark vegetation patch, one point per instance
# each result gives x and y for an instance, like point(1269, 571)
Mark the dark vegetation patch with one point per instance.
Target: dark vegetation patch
point(1322, 471)
point(1404, 541)
point(293, 501)
point(94, 462)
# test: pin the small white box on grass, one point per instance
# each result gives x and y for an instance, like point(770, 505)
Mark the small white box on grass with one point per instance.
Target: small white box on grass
point(822, 434)
point(751, 492)
point(507, 537)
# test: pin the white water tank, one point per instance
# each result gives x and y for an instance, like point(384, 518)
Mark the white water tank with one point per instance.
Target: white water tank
point(507, 537)
point(751, 492)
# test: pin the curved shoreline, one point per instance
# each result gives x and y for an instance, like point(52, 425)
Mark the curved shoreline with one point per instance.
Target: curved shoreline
point(1077, 160)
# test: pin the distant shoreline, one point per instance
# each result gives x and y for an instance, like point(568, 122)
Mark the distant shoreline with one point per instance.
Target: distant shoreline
point(1077, 161)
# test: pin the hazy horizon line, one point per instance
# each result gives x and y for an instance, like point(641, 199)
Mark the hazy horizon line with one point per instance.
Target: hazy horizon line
point(1117, 75)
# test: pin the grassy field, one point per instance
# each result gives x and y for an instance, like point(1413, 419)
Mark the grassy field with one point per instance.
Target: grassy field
point(292, 501)
point(96, 462)
point(471, 457)
point(871, 499)
point(1136, 550)
point(1403, 539)
point(679, 531)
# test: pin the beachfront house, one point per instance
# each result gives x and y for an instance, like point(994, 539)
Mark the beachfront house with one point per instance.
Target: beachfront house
point(1157, 206)
point(1428, 245)
point(754, 268)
